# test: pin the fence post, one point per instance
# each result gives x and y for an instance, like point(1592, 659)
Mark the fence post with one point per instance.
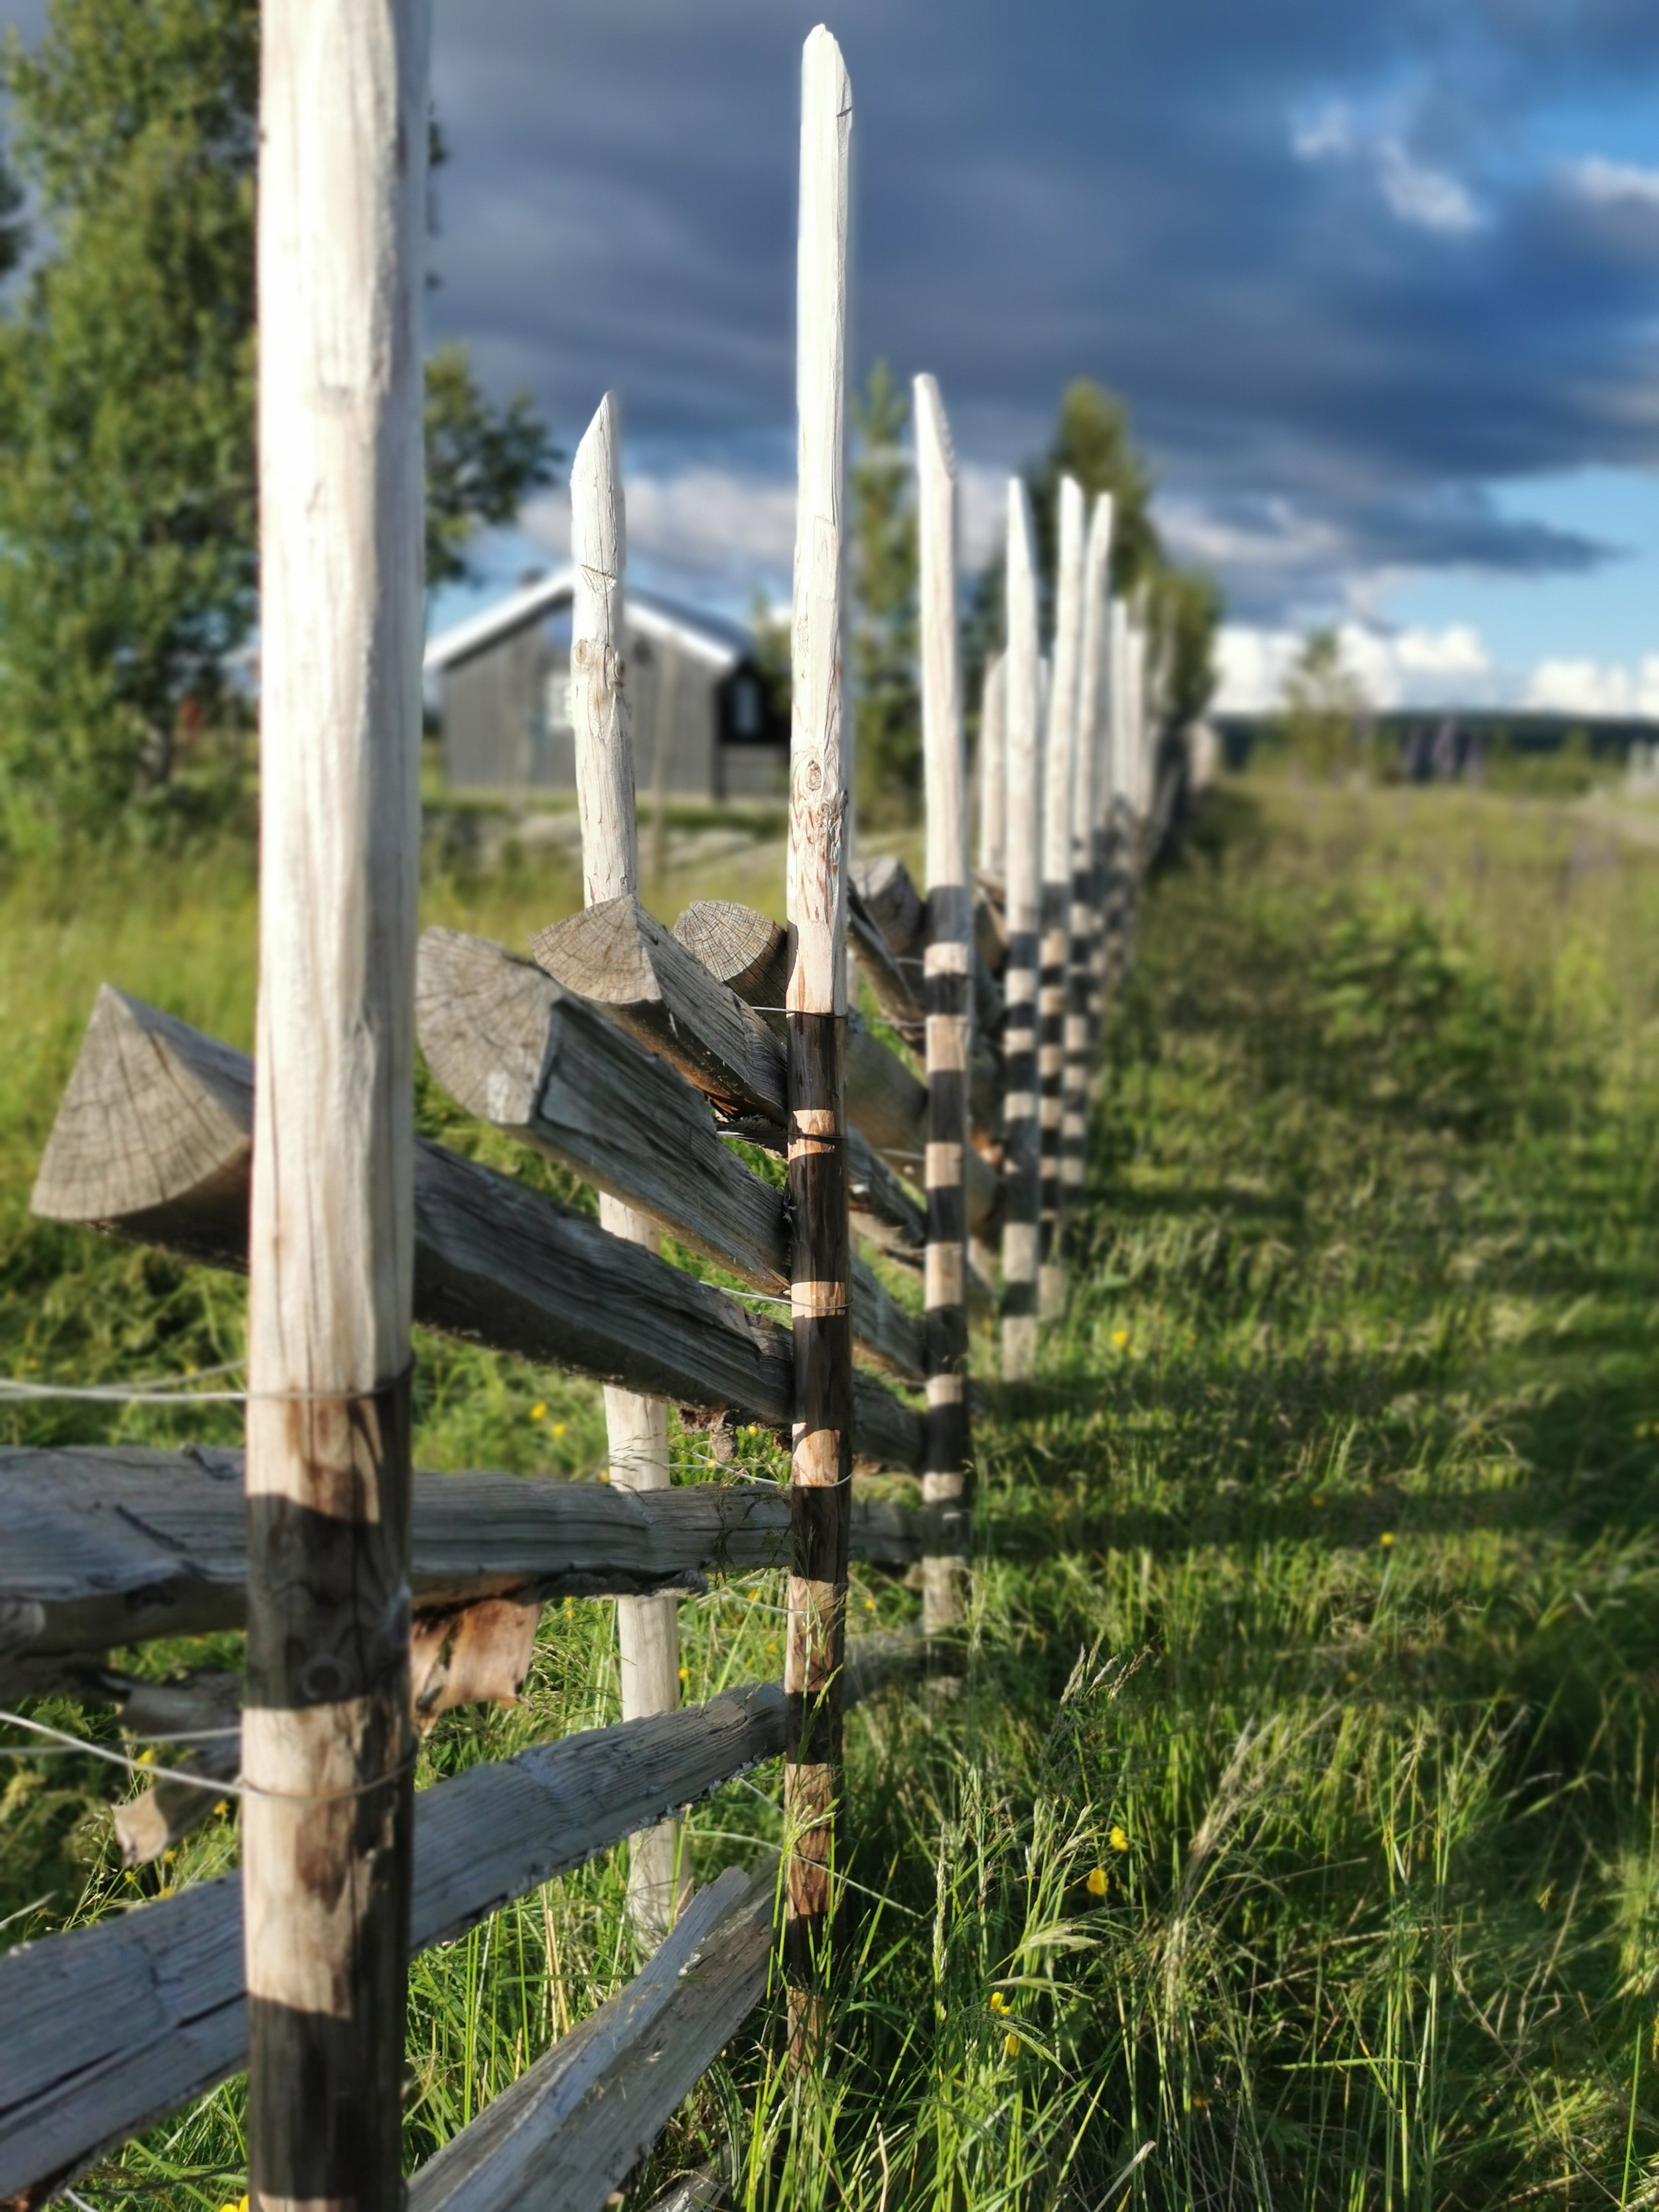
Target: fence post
point(1087, 889)
point(992, 772)
point(820, 1472)
point(1023, 682)
point(950, 946)
point(1058, 769)
point(327, 1742)
point(636, 1426)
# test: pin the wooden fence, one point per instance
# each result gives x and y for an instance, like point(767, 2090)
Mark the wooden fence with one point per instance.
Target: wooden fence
point(375, 1598)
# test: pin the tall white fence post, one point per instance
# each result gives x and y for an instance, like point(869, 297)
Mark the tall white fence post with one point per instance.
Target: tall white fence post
point(1059, 770)
point(636, 1426)
point(327, 1740)
point(948, 959)
point(1023, 703)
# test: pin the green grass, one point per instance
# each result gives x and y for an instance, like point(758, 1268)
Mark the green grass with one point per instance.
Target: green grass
point(1318, 1610)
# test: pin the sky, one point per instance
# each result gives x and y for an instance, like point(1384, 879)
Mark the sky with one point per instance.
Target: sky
point(1380, 281)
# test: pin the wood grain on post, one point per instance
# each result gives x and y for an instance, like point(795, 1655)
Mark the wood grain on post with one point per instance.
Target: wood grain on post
point(1059, 772)
point(993, 771)
point(1086, 888)
point(949, 954)
point(636, 1426)
point(327, 1827)
point(819, 783)
point(662, 751)
point(1020, 1157)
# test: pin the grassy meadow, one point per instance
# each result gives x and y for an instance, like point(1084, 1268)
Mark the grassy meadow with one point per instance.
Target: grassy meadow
point(1292, 1841)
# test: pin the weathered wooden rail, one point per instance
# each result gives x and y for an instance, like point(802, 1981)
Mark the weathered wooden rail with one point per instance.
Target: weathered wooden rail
point(632, 1053)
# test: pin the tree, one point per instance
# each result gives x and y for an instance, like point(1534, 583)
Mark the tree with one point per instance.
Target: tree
point(128, 498)
point(1323, 702)
point(886, 701)
point(1091, 442)
point(1186, 611)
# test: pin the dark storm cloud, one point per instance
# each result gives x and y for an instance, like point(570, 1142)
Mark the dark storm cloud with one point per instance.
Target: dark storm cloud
point(1332, 353)
point(1347, 343)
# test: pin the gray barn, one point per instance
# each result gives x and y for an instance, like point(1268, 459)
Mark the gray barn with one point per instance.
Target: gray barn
point(691, 679)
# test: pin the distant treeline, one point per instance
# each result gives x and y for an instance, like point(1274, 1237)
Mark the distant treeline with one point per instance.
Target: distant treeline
point(1461, 744)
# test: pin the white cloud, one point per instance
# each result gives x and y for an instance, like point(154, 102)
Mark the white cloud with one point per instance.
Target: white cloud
point(1429, 199)
point(1613, 184)
point(1325, 134)
point(1565, 686)
point(1415, 193)
point(1415, 666)
point(728, 530)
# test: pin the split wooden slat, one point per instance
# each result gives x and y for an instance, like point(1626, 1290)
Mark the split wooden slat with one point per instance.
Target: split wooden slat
point(1022, 868)
point(103, 1547)
point(571, 2128)
point(106, 2028)
point(815, 1008)
point(512, 1048)
point(1059, 773)
point(884, 1100)
point(494, 1263)
point(948, 958)
point(620, 957)
point(328, 1749)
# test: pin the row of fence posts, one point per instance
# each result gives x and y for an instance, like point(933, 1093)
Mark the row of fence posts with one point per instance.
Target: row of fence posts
point(329, 1752)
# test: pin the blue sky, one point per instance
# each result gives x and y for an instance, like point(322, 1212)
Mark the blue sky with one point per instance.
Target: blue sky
point(1380, 281)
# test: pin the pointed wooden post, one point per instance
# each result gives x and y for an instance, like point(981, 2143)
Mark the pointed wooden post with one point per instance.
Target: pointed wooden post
point(1086, 919)
point(992, 772)
point(1120, 819)
point(949, 953)
point(1059, 770)
point(636, 1426)
point(821, 1472)
point(327, 1745)
point(1021, 1164)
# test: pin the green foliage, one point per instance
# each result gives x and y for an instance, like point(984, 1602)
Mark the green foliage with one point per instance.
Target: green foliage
point(881, 634)
point(127, 479)
point(1091, 442)
point(1323, 704)
point(1296, 1814)
point(1186, 614)
point(480, 460)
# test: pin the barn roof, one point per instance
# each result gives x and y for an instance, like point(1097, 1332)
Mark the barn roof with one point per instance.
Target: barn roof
point(708, 638)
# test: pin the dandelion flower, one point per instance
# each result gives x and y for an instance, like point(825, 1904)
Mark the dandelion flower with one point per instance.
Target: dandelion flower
point(538, 1412)
point(559, 1428)
point(1011, 2043)
point(1095, 1884)
point(1120, 1340)
point(1385, 1539)
point(685, 1673)
point(1118, 1838)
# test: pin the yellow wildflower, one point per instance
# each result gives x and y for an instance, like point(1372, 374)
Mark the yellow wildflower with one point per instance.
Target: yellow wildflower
point(999, 2002)
point(538, 1412)
point(685, 1673)
point(1385, 1539)
point(1118, 1838)
point(1095, 1884)
point(1011, 2043)
point(1120, 1340)
point(559, 1428)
